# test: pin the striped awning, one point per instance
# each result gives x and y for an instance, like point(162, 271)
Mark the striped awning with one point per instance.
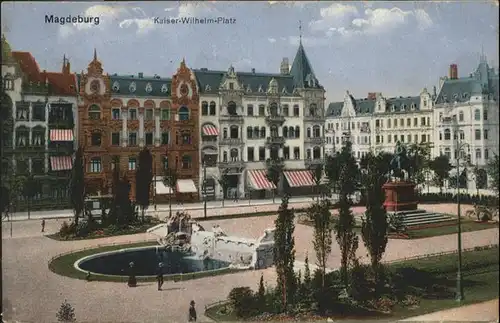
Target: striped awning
point(299, 178)
point(186, 186)
point(61, 135)
point(61, 163)
point(259, 181)
point(210, 130)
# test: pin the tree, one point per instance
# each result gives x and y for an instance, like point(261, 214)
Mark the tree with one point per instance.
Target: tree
point(144, 177)
point(66, 313)
point(375, 225)
point(344, 228)
point(284, 253)
point(30, 188)
point(332, 167)
point(441, 167)
point(319, 214)
point(317, 176)
point(170, 180)
point(224, 183)
point(307, 284)
point(121, 210)
point(274, 173)
point(492, 170)
point(418, 162)
point(77, 185)
point(261, 294)
point(480, 178)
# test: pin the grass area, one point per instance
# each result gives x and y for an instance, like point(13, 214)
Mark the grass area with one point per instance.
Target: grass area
point(434, 277)
point(467, 226)
point(64, 265)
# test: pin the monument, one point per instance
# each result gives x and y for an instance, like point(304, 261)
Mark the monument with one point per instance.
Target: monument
point(399, 191)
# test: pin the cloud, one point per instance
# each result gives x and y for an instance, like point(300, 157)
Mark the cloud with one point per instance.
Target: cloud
point(242, 64)
point(333, 16)
point(272, 40)
point(195, 9)
point(143, 25)
point(308, 41)
point(292, 4)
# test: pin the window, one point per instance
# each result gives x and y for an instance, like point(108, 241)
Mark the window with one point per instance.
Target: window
point(377, 139)
point(165, 114)
point(447, 134)
point(297, 132)
point(353, 126)
point(204, 108)
point(478, 154)
point(224, 133)
point(422, 138)
point(233, 154)
point(231, 86)
point(440, 116)
point(186, 138)
point(132, 113)
point(462, 135)
point(316, 131)
point(149, 138)
point(262, 153)
point(440, 136)
point(232, 108)
point(224, 157)
point(402, 138)
point(115, 139)
point(312, 110)
point(408, 122)
point(263, 132)
point(274, 131)
point(165, 162)
point(296, 152)
point(38, 112)
point(212, 108)
point(186, 162)
point(286, 153)
point(485, 115)
point(291, 132)
point(477, 115)
point(285, 110)
point(38, 166)
point(296, 111)
point(308, 153)
point(395, 138)
point(149, 114)
point(250, 110)
point(415, 138)
point(250, 154)
point(477, 134)
point(285, 132)
point(273, 109)
point(165, 138)
point(183, 113)
point(256, 132)
point(8, 83)
point(447, 153)
point(95, 139)
point(377, 123)
point(486, 154)
point(422, 121)
point(115, 114)
point(132, 163)
point(132, 139)
point(336, 126)
point(408, 138)
point(337, 141)
point(308, 132)
point(389, 123)
point(94, 112)
point(95, 165)
point(485, 134)
point(395, 123)
point(460, 116)
point(249, 132)
point(262, 110)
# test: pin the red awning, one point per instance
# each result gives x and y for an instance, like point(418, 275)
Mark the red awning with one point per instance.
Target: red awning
point(61, 135)
point(61, 163)
point(210, 130)
point(299, 178)
point(259, 181)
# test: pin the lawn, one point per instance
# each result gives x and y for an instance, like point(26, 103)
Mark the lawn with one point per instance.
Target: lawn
point(467, 226)
point(480, 274)
point(64, 266)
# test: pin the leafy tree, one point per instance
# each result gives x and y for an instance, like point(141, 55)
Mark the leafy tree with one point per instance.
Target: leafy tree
point(66, 313)
point(30, 188)
point(307, 294)
point(319, 214)
point(317, 176)
point(332, 171)
point(274, 172)
point(418, 162)
point(170, 180)
point(480, 178)
point(492, 170)
point(441, 167)
point(284, 253)
point(121, 210)
point(224, 183)
point(261, 294)
point(375, 225)
point(243, 301)
point(13, 185)
point(144, 177)
point(77, 185)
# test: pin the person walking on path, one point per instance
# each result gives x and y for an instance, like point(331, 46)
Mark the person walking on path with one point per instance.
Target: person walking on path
point(43, 225)
point(159, 275)
point(192, 312)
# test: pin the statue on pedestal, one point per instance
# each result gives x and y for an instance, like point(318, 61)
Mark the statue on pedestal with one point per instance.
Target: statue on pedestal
point(399, 163)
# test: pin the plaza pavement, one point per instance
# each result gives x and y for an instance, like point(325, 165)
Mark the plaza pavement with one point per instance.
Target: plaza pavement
point(486, 312)
point(36, 293)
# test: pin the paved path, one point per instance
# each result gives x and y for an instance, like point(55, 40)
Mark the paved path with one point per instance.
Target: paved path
point(486, 312)
point(36, 293)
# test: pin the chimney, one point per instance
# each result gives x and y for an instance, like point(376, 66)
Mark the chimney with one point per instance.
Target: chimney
point(453, 72)
point(285, 67)
point(141, 75)
point(372, 96)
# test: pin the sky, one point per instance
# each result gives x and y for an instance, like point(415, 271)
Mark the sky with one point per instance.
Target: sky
point(396, 48)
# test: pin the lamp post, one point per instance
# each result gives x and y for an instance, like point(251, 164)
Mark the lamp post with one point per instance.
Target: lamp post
point(204, 188)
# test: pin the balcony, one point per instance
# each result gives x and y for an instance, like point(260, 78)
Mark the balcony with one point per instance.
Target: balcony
point(239, 164)
point(208, 141)
point(365, 129)
point(315, 140)
point(275, 140)
point(279, 120)
point(314, 162)
point(235, 119)
point(314, 118)
point(231, 141)
point(276, 161)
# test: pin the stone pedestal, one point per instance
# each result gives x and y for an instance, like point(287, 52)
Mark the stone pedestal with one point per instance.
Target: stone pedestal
point(400, 196)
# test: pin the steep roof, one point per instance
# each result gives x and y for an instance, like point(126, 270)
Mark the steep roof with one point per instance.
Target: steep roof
point(6, 51)
point(61, 83)
point(367, 106)
point(29, 66)
point(145, 86)
point(402, 104)
point(459, 90)
point(302, 71)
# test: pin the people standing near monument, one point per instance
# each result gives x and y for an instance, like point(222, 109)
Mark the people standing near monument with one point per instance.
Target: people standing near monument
point(192, 312)
point(159, 275)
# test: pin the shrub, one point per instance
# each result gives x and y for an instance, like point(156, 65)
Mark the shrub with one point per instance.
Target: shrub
point(82, 229)
point(243, 301)
point(383, 304)
point(361, 286)
point(410, 300)
point(66, 313)
point(66, 229)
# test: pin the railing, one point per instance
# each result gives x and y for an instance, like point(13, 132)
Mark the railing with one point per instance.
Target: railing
point(313, 162)
point(314, 118)
point(315, 140)
point(275, 119)
point(234, 164)
point(274, 140)
point(231, 141)
point(231, 118)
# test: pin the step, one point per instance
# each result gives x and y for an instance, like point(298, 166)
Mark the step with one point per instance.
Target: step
point(428, 222)
point(410, 212)
point(426, 216)
point(428, 219)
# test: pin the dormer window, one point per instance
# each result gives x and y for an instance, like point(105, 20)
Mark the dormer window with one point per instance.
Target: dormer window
point(412, 107)
point(132, 87)
point(164, 88)
point(403, 107)
point(445, 98)
point(393, 108)
point(249, 89)
point(231, 85)
point(260, 89)
point(465, 95)
point(116, 86)
point(208, 88)
point(455, 96)
point(149, 88)
point(284, 91)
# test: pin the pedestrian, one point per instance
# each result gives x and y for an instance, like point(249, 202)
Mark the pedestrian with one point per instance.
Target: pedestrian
point(236, 195)
point(192, 312)
point(43, 225)
point(159, 275)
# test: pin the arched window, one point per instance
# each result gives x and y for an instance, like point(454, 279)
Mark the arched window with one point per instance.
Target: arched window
point(38, 136)
point(231, 108)
point(447, 134)
point(316, 131)
point(440, 136)
point(316, 153)
point(22, 136)
point(224, 156)
point(234, 132)
point(186, 162)
point(274, 153)
point(477, 115)
point(249, 133)
point(297, 132)
point(285, 132)
point(234, 154)
point(212, 108)
point(462, 135)
point(273, 109)
point(308, 131)
point(460, 116)
point(256, 132)
point(447, 153)
point(224, 133)
point(274, 131)
point(204, 108)
point(94, 112)
point(312, 110)
point(478, 153)
point(183, 113)
point(263, 132)
point(8, 82)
